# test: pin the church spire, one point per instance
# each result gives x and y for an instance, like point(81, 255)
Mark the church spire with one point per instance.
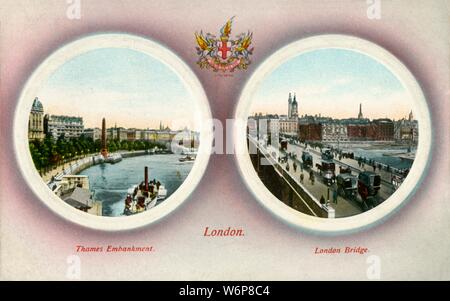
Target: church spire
point(294, 108)
point(360, 114)
point(289, 105)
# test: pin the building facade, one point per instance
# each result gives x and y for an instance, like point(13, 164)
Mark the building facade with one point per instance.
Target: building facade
point(406, 130)
point(288, 126)
point(36, 121)
point(335, 131)
point(292, 107)
point(252, 127)
point(67, 126)
point(385, 129)
point(361, 132)
point(310, 132)
point(132, 134)
point(350, 129)
point(94, 134)
point(327, 129)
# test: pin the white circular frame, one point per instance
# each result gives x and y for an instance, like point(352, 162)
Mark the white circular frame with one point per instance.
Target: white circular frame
point(63, 55)
point(345, 224)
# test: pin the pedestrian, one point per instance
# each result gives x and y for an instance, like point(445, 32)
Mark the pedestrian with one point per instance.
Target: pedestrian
point(301, 167)
point(335, 195)
point(322, 200)
point(301, 177)
point(287, 166)
point(311, 177)
point(295, 167)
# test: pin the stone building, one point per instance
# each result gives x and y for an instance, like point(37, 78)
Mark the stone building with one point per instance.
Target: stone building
point(288, 126)
point(292, 107)
point(69, 126)
point(334, 131)
point(94, 133)
point(385, 129)
point(36, 121)
point(310, 132)
point(406, 130)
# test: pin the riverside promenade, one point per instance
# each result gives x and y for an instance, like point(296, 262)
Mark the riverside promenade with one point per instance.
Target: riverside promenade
point(47, 177)
point(78, 165)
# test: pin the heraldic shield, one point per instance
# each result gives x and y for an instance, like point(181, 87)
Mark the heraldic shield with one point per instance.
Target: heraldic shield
point(223, 53)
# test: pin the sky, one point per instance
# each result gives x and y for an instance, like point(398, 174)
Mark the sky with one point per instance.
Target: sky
point(127, 87)
point(333, 82)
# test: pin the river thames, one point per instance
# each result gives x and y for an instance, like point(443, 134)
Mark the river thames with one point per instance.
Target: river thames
point(110, 182)
point(384, 155)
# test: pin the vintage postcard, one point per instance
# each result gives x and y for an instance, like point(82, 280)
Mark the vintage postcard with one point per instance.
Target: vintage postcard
point(233, 140)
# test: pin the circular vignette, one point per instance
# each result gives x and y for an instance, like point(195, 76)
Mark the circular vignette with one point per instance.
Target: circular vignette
point(344, 225)
point(63, 55)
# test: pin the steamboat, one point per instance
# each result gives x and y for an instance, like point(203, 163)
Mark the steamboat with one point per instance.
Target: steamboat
point(144, 196)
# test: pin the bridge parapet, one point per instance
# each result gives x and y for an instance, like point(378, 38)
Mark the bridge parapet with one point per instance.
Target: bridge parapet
point(296, 192)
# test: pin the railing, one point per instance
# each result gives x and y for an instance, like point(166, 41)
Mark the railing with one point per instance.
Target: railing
point(313, 205)
point(355, 169)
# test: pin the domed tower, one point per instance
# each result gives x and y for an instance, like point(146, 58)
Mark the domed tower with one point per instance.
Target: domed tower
point(294, 108)
point(36, 121)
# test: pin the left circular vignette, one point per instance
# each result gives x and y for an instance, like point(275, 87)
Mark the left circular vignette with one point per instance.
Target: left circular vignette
point(159, 128)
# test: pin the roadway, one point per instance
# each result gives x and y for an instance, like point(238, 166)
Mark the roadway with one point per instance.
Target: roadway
point(386, 190)
point(342, 208)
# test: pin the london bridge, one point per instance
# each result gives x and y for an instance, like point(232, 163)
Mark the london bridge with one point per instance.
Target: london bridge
point(281, 171)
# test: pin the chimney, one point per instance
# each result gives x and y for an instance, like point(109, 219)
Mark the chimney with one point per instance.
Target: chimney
point(146, 178)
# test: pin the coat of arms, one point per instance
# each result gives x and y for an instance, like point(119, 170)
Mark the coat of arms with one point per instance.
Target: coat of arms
point(224, 53)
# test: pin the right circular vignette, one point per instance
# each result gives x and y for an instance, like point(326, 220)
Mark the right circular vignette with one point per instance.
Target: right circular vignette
point(334, 134)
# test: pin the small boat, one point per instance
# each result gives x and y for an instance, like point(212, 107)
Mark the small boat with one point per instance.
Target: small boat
point(188, 158)
point(189, 152)
point(113, 158)
point(144, 196)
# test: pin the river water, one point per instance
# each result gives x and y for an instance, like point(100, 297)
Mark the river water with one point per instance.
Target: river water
point(384, 156)
point(110, 182)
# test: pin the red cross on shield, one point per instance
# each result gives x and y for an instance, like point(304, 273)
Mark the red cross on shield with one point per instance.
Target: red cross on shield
point(224, 49)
